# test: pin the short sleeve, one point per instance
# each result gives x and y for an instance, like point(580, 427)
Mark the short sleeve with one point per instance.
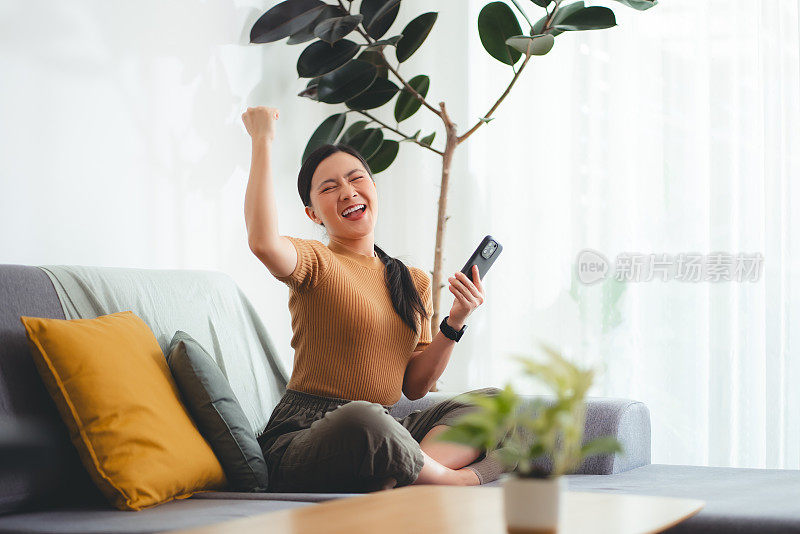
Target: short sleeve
point(313, 263)
point(424, 287)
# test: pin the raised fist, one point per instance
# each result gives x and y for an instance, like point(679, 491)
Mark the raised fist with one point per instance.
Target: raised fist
point(260, 122)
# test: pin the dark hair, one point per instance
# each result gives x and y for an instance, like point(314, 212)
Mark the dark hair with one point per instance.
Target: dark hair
point(405, 297)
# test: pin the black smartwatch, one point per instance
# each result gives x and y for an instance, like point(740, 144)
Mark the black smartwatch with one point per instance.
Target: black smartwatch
point(450, 332)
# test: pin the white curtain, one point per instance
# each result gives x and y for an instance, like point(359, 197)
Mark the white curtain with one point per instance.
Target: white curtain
point(675, 132)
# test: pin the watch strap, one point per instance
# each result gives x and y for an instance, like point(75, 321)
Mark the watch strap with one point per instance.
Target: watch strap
point(450, 332)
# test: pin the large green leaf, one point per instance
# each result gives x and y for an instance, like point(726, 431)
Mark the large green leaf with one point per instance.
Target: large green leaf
point(319, 57)
point(407, 103)
point(496, 23)
point(325, 133)
point(378, 16)
point(331, 30)
point(563, 11)
point(589, 18)
point(639, 5)
point(307, 33)
point(377, 59)
point(285, 19)
point(351, 131)
point(367, 142)
point(346, 82)
point(414, 34)
point(542, 3)
point(538, 45)
point(383, 158)
point(376, 95)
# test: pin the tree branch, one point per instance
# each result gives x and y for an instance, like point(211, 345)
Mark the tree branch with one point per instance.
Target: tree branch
point(552, 15)
point(394, 71)
point(463, 138)
point(514, 79)
point(410, 89)
point(398, 132)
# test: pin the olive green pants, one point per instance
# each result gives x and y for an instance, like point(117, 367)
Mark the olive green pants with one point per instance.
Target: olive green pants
point(314, 443)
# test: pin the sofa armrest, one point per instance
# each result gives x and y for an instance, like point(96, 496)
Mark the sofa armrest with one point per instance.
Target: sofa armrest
point(627, 420)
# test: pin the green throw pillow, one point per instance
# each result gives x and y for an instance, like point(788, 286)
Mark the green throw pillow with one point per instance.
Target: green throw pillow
point(217, 412)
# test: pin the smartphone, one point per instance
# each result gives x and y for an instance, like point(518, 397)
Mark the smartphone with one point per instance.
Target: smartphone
point(484, 256)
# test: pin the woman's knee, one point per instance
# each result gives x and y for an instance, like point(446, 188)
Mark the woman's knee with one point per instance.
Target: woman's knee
point(386, 447)
point(357, 420)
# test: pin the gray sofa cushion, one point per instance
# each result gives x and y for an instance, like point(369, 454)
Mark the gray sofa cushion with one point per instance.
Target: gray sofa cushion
point(24, 400)
point(217, 413)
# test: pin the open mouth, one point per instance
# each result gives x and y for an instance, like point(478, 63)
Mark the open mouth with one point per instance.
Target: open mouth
point(354, 214)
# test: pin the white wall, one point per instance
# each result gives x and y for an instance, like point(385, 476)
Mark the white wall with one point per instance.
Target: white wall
point(121, 141)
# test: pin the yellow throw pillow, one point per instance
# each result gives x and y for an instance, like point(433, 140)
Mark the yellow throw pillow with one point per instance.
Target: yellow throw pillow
point(113, 388)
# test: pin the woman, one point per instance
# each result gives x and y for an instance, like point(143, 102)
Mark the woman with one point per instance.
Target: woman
point(361, 334)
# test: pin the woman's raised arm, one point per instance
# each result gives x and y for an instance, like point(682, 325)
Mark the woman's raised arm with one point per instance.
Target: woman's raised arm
point(260, 211)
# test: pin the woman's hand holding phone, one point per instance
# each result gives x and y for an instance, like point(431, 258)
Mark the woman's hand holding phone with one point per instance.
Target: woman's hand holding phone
point(469, 295)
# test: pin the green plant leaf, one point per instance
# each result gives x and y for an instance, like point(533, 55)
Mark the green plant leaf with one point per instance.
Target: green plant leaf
point(377, 59)
point(285, 19)
point(542, 3)
point(379, 45)
point(602, 445)
point(414, 34)
point(325, 133)
point(346, 82)
point(307, 34)
point(563, 11)
point(379, 93)
point(352, 130)
point(310, 91)
point(486, 119)
point(428, 139)
point(320, 58)
point(510, 457)
point(538, 45)
point(378, 16)
point(331, 30)
point(383, 158)
point(588, 18)
point(567, 10)
point(367, 142)
point(496, 23)
point(407, 103)
point(639, 5)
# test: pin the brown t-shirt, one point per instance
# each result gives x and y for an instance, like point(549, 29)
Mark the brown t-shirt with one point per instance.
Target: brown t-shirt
point(349, 341)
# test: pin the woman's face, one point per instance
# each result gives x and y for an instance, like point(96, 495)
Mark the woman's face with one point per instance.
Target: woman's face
point(339, 182)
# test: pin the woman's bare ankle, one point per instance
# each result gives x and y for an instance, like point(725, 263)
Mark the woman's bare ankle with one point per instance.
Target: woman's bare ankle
point(470, 477)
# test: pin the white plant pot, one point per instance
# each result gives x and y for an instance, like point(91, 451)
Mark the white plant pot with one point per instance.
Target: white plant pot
point(533, 505)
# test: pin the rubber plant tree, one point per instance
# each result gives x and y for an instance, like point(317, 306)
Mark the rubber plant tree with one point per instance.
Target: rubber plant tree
point(364, 74)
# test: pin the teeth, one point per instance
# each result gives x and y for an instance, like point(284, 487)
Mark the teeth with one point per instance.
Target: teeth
point(354, 208)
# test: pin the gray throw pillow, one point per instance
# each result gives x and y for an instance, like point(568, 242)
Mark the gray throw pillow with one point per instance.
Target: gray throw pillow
point(217, 412)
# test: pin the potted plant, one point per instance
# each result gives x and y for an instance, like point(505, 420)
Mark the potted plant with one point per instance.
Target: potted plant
point(519, 432)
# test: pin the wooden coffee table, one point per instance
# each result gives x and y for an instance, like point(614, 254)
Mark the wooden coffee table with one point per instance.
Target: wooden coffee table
point(459, 510)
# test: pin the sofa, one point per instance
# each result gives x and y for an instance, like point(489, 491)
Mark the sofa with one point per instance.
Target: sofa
point(44, 487)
